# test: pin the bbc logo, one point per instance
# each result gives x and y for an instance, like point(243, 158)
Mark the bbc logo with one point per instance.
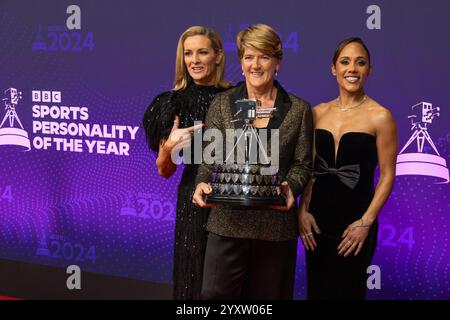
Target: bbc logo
point(46, 96)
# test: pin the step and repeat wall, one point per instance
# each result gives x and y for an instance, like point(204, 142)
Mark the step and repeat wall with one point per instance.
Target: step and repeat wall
point(78, 185)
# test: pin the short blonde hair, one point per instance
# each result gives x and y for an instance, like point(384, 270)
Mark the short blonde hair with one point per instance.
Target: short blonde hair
point(182, 77)
point(260, 37)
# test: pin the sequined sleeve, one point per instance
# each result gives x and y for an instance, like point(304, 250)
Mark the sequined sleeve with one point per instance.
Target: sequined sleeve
point(158, 119)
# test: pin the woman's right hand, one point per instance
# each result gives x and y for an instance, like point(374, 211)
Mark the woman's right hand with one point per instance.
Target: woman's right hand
point(307, 223)
point(202, 189)
point(180, 138)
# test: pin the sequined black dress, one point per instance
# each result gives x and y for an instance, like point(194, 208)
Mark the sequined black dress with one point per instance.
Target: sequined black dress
point(190, 104)
point(342, 191)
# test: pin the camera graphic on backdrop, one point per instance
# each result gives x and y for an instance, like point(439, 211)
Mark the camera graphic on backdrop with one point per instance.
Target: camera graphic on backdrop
point(420, 162)
point(12, 132)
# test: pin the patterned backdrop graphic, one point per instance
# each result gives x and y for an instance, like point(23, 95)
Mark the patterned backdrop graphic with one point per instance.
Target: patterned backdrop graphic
point(78, 184)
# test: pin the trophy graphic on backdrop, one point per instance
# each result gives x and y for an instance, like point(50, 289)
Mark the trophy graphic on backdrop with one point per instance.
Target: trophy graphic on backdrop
point(11, 135)
point(421, 163)
point(39, 42)
point(251, 182)
point(128, 207)
point(43, 249)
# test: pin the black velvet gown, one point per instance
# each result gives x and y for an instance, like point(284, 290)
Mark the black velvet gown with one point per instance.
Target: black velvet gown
point(342, 192)
point(190, 104)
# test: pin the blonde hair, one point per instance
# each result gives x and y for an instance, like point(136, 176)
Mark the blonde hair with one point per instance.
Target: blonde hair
point(260, 37)
point(182, 77)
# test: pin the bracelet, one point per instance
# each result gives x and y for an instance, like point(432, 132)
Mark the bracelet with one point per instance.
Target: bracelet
point(362, 225)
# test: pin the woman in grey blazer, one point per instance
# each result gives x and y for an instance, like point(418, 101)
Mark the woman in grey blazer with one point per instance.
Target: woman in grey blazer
point(251, 253)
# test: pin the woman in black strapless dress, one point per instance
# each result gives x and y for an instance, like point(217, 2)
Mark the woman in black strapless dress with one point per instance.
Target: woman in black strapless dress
point(339, 209)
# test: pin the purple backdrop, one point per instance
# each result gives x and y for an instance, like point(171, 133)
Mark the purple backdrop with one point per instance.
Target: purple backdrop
point(96, 200)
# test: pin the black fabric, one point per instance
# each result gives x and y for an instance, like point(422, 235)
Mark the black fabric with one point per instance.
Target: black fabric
point(335, 205)
point(348, 175)
point(248, 269)
point(158, 118)
point(190, 104)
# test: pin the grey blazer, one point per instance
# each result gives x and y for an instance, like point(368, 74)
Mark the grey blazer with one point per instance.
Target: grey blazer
point(293, 118)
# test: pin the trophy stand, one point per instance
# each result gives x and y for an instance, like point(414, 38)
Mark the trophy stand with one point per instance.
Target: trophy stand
point(248, 133)
point(420, 134)
point(243, 184)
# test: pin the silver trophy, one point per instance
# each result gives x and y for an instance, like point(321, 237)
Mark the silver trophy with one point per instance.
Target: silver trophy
point(250, 181)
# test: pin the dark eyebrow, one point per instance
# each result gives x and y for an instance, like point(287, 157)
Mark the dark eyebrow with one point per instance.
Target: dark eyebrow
point(360, 57)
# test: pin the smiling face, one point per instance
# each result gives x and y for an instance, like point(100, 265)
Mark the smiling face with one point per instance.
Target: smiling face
point(200, 59)
point(259, 68)
point(352, 68)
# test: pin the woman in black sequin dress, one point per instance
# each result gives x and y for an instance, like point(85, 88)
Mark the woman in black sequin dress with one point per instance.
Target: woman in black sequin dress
point(339, 209)
point(169, 124)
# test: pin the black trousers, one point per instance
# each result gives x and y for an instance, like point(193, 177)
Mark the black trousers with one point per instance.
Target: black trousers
point(248, 269)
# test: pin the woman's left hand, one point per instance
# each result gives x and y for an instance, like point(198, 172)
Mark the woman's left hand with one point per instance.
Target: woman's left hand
point(353, 239)
point(289, 196)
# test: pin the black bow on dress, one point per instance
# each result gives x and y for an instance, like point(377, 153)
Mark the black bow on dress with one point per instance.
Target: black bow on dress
point(348, 175)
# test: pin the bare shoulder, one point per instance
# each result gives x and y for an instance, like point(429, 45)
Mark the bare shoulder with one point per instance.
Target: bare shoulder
point(382, 117)
point(321, 108)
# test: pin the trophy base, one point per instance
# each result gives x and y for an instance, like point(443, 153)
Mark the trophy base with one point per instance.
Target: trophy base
point(246, 185)
point(248, 201)
point(423, 164)
point(14, 137)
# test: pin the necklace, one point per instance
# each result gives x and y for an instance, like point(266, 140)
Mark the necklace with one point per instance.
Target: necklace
point(347, 108)
point(270, 98)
